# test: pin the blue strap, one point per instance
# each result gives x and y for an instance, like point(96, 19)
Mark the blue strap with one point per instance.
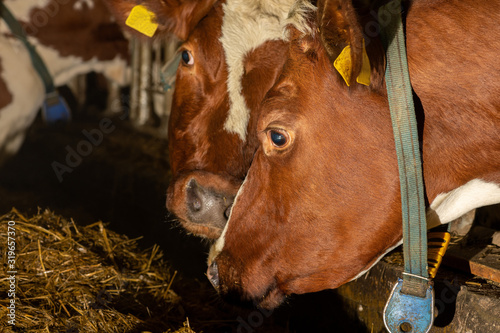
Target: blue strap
point(407, 147)
point(411, 304)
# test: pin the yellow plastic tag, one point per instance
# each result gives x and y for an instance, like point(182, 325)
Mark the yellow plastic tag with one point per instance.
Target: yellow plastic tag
point(437, 244)
point(364, 75)
point(142, 20)
point(343, 64)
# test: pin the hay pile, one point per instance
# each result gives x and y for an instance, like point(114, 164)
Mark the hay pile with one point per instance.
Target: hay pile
point(84, 279)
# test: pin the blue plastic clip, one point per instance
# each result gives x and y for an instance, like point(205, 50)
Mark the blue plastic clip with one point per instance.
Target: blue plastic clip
point(408, 313)
point(55, 109)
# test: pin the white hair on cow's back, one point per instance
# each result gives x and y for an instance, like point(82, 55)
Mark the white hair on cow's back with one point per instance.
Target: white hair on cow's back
point(247, 24)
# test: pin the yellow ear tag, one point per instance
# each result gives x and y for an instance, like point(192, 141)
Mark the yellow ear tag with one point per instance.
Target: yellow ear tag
point(142, 20)
point(343, 64)
point(364, 75)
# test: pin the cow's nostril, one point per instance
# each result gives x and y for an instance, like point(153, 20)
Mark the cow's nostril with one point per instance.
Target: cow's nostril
point(206, 206)
point(213, 275)
point(196, 204)
point(194, 200)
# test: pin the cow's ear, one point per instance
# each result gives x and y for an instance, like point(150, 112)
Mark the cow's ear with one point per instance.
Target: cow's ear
point(121, 10)
point(178, 17)
point(341, 34)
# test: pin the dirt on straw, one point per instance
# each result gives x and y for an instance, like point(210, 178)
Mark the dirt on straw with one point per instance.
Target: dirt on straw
point(72, 278)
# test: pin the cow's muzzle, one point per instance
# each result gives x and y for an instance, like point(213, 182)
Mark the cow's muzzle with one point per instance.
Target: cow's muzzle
point(202, 202)
point(205, 205)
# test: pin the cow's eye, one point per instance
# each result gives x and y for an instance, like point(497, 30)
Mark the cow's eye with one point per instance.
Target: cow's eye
point(279, 138)
point(187, 58)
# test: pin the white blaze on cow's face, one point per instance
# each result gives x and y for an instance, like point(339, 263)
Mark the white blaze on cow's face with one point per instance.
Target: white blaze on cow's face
point(247, 25)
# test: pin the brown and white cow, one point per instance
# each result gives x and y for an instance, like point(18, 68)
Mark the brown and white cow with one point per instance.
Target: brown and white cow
point(72, 37)
point(321, 202)
point(232, 54)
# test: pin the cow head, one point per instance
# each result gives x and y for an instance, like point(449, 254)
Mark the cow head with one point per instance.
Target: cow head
point(321, 202)
point(232, 54)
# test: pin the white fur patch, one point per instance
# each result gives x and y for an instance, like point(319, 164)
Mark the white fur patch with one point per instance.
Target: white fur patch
point(447, 207)
point(247, 24)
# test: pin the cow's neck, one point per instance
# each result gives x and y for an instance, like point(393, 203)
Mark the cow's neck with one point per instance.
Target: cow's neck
point(461, 127)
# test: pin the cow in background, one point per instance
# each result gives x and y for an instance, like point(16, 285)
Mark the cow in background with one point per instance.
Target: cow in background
point(72, 37)
point(233, 52)
point(321, 203)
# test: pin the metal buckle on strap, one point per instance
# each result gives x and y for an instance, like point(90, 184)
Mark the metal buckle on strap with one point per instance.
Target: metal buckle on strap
point(410, 307)
point(408, 313)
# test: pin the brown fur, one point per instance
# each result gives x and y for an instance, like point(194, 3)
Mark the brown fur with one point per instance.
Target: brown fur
point(180, 17)
point(456, 77)
point(316, 213)
point(94, 31)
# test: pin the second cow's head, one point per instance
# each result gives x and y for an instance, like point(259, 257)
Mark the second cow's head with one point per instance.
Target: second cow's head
point(232, 54)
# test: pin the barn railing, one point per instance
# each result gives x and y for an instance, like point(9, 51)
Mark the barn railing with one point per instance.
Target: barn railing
point(149, 102)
